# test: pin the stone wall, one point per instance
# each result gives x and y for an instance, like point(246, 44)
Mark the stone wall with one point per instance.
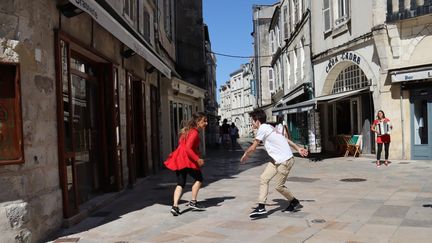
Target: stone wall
point(30, 196)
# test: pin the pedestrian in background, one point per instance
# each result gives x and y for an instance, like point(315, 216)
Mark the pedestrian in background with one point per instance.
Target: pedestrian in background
point(225, 133)
point(185, 160)
point(382, 127)
point(278, 147)
point(281, 127)
point(234, 134)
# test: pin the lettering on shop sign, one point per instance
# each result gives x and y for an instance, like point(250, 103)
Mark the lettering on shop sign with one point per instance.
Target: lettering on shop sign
point(408, 77)
point(87, 7)
point(347, 56)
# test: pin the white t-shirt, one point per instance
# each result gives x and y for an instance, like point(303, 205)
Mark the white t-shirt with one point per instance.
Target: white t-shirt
point(276, 144)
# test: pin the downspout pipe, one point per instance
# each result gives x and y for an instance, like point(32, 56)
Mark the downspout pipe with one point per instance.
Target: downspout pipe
point(402, 121)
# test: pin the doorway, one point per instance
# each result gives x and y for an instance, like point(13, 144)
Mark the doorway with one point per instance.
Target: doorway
point(421, 123)
point(82, 103)
point(88, 118)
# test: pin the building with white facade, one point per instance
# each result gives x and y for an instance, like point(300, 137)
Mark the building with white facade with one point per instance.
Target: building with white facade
point(238, 99)
point(337, 62)
point(290, 46)
point(346, 69)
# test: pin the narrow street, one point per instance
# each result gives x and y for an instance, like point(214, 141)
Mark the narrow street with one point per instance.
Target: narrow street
point(392, 204)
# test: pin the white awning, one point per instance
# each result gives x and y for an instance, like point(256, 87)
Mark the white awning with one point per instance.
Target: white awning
point(296, 108)
point(111, 25)
point(411, 74)
point(339, 96)
point(311, 104)
point(281, 105)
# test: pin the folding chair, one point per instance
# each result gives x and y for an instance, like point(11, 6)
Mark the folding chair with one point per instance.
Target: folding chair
point(354, 145)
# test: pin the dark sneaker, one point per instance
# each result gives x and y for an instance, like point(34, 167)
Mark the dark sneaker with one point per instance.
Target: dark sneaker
point(294, 206)
point(257, 212)
point(175, 211)
point(194, 205)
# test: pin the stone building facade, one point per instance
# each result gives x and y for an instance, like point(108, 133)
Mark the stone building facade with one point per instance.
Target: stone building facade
point(261, 17)
point(238, 99)
point(345, 70)
point(359, 62)
point(86, 106)
point(290, 44)
point(404, 89)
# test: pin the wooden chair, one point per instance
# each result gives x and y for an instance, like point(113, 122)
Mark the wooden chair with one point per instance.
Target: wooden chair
point(354, 145)
point(342, 143)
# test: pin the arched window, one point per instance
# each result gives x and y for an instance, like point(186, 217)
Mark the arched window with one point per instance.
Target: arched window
point(351, 78)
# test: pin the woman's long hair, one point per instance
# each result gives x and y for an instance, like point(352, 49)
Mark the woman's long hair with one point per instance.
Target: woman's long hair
point(192, 123)
point(382, 113)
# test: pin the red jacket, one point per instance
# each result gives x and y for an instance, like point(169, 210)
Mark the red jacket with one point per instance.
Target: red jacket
point(186, 154)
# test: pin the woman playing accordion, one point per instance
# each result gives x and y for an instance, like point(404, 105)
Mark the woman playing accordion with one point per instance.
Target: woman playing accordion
point(382, 127)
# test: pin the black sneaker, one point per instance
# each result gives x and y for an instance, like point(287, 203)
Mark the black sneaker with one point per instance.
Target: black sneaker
point(257, 212)
point(194, 205)
point(175, 211)
point(294, 206)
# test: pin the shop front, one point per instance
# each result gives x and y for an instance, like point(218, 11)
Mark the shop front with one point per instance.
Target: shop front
point(89, 148)
point(418, 82)
point(344, 99)
point(184, 100)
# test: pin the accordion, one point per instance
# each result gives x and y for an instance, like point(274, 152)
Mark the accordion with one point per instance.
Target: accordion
point(383, 128)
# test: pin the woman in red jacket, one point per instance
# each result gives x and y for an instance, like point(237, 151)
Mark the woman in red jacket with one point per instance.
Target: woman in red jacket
point(185, 160)
point(382, 127)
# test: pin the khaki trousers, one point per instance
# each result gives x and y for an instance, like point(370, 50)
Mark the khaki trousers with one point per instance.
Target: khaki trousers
point(280, 173)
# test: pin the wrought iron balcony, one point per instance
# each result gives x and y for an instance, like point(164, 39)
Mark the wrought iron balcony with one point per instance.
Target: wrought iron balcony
point(402, 9)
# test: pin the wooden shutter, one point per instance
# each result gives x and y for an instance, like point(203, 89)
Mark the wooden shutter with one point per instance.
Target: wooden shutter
point(271, 80)
point(285, 21)
point(327, 16)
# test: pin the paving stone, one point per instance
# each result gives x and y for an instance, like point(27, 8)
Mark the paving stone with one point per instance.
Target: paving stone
point(388, 204)
point(391, 211)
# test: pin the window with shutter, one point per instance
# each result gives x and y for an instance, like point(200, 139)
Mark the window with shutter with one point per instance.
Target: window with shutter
point(278, 37)
point(343, 11)
point(290, 25)
point(285, 21)
point(129, 10)
point(272, 41)
point(271, 80)
point(168, 18)
point(327, 16)
point(147, 26)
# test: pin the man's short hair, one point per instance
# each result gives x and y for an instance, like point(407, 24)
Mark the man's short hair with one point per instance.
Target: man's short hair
point(258, 114)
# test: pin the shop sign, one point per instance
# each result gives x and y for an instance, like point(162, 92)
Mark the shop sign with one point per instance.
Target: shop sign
point(346, 56)
point(102, 17)
point(410, 76)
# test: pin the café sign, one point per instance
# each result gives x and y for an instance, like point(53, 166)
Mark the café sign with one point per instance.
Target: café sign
point(346, 56)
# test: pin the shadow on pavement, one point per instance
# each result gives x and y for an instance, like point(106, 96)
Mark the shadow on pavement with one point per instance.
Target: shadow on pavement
point(158, 188)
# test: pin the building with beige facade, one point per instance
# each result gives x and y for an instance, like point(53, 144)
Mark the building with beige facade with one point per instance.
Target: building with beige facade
point(405, 88)
point(90, 101)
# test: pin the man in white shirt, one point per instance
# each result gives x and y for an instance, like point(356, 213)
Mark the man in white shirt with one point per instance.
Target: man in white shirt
point(278, 147)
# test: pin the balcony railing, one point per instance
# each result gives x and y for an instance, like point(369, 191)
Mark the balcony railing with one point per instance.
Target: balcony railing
point(400, 9)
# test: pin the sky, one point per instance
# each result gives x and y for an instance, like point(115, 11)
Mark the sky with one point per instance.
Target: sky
point(230, 28)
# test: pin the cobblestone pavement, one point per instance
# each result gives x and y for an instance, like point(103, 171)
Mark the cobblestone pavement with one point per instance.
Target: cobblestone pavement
point(391, 204)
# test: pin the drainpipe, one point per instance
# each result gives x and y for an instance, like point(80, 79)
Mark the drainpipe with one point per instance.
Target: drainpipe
point(402, 123)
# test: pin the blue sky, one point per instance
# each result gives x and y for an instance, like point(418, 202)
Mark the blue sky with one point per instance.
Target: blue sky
point(230, 26)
